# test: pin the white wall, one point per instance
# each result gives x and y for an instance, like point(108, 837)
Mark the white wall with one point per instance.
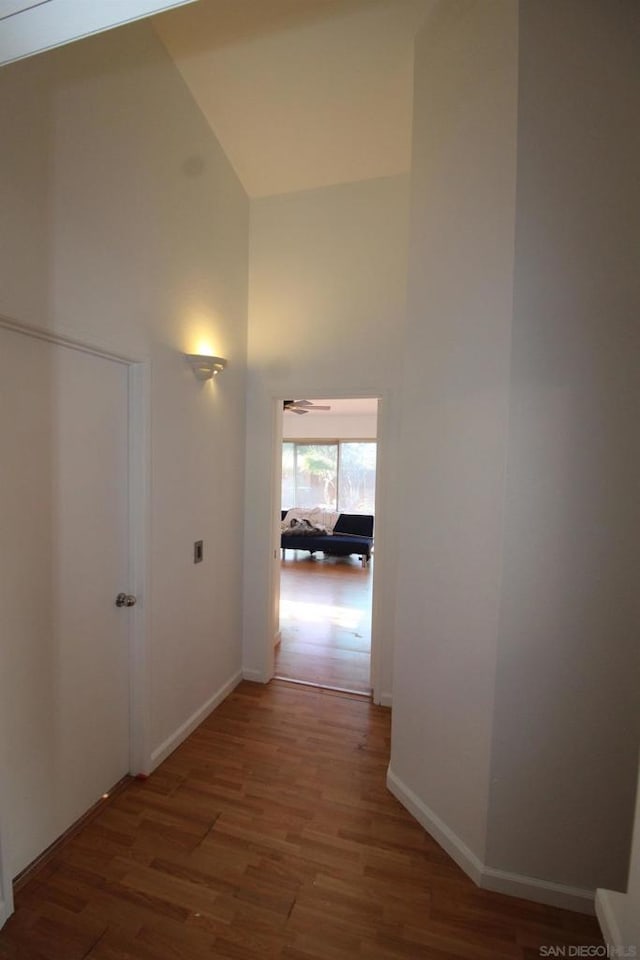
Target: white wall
point(455, 405)
point(123, 225)
point(567, 717)
point(516, 714)
point(327, 426)
point(326, 318)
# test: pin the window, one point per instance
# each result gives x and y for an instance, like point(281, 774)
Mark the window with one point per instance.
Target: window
point(357, 477)
point(339, 475)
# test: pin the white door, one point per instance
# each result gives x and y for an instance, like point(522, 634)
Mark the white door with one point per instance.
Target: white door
point(64, 645)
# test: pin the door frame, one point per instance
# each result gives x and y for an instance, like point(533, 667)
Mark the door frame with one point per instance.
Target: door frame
point(139, 526)
point(378, 695)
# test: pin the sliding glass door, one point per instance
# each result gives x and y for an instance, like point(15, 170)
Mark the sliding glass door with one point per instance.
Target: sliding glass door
point(336, 475)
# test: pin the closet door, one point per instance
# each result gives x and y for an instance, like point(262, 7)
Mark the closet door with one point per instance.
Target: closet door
point(64, 655)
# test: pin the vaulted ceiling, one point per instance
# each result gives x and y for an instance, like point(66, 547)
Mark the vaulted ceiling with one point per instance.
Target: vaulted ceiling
point(301, 93)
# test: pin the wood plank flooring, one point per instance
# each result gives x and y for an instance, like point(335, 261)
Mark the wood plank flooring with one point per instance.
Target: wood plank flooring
point(325, 621)
point(270, 834)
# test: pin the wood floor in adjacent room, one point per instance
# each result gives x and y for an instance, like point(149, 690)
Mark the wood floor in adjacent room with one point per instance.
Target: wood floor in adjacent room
point(325, 621)
point(269, 835)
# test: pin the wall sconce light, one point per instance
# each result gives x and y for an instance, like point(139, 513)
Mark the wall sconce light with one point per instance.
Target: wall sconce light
point(204, 367)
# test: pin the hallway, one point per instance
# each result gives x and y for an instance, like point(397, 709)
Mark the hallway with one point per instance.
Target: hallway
point(325, 621)
point(270, 834)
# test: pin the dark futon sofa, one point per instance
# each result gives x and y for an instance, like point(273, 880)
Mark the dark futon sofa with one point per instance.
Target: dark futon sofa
point(353, 533)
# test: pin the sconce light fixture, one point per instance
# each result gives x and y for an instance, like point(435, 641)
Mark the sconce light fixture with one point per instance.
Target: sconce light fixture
point(204, 367)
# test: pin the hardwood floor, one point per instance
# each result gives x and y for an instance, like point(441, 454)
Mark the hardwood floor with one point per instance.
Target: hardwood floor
point(270, 834)
point(325, 621)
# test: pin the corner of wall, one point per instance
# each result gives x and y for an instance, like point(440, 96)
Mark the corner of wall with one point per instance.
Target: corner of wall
point(6, 904)
point(605, 912)
point(437, 828)
point(255, 676)
point(485, 877)
point(6, 887)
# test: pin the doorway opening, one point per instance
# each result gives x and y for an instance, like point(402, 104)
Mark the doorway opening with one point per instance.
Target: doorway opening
point(329, 456)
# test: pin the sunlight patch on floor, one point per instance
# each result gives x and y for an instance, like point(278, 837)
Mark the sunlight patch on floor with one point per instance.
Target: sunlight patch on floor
point(308, 612)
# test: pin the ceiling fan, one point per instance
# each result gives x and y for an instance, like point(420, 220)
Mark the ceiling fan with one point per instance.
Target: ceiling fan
point(302, 406)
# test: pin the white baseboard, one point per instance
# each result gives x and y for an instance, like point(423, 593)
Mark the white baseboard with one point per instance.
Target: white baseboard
point(607, 919)
point(540, 891)
point(255, 676)
point(172, 742)
point(386, 700)
point(6, 881)
point(437, 828)
point(6, 909)
point(488, 878)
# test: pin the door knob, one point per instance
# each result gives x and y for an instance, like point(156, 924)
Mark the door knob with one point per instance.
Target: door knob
point(125, 600)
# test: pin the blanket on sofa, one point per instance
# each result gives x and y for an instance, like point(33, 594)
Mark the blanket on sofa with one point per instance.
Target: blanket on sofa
point(304, 520)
